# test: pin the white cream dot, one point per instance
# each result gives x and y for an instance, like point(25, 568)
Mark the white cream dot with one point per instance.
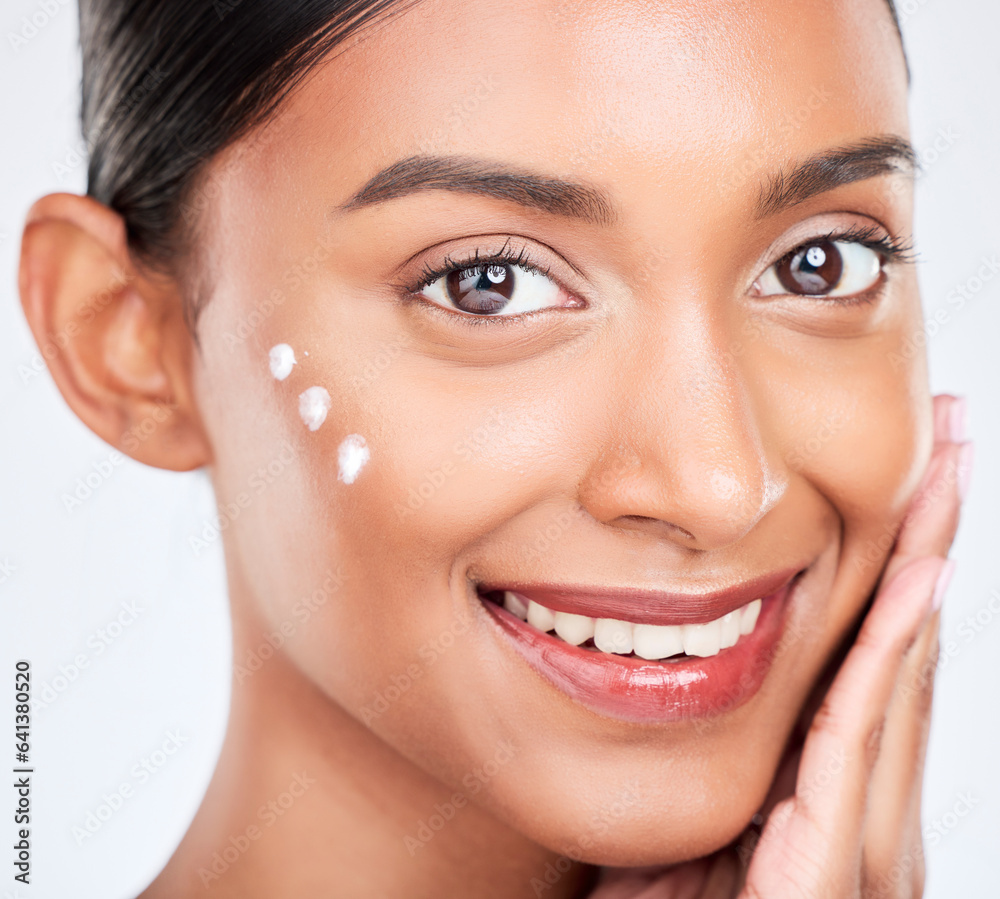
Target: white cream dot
point(351, 457)
point(281, 358)
point(314, 403)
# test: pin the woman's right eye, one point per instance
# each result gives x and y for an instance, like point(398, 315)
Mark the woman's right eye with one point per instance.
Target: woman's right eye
point(494, 289)
point(823, 268)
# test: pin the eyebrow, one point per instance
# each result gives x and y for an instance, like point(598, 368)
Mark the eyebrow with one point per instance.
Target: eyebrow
point(469, 175)
point(825, 171)
point(868, 158)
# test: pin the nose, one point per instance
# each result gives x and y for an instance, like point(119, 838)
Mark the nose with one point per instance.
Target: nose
point(685, 457)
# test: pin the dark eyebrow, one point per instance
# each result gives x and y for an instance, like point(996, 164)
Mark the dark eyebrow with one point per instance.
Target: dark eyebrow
point(833, 168)
point(489, 179)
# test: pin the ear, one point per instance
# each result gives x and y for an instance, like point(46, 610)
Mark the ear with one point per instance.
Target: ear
point(114, 335)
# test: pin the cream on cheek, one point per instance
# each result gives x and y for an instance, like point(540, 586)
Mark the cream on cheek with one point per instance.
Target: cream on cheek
point(352, 455)
point(314, 404)
point(281, 359)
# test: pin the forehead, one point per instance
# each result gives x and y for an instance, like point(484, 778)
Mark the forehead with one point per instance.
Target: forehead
point(663, 72)
point(676, 100)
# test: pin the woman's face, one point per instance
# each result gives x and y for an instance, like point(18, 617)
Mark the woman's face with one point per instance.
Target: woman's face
point(638, 416)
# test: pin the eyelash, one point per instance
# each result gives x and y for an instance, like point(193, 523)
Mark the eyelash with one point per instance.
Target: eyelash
point(504, 256)
point(895, 250)
point(892, 249)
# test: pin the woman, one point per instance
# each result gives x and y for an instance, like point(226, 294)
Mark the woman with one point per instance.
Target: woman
point(548, 361)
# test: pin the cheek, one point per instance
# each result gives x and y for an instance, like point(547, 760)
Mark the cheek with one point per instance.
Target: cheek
point(398, 479)
point(864, 446)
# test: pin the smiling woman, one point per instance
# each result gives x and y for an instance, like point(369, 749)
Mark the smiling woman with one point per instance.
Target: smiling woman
point(592, 393)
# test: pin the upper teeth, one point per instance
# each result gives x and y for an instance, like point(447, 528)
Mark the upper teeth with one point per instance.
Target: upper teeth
point(648, 641)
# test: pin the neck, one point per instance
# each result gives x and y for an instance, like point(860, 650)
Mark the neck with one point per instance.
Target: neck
point(305, 800)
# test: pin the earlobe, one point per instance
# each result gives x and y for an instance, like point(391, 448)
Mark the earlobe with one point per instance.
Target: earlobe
point(114, 335)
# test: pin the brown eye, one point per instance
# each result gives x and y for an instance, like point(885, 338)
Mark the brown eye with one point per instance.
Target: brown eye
point(481, 289)
point(823, 268)
point(500, 289)
point(813, 269)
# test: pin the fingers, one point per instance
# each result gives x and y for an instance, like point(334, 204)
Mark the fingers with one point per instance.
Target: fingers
point(950, 418)
point(849, 724)
point(893, 847)
point(811, 844)
point(858, 782)
point(932, 518)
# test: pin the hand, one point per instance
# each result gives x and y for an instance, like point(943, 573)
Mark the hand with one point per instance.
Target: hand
point(850, 828)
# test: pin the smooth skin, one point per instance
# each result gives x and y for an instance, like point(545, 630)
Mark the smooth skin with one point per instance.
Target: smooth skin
point(680, 430)
point(852, 827)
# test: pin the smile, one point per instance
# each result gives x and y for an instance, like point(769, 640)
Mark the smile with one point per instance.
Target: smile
point(644, 641)
point(647, 656)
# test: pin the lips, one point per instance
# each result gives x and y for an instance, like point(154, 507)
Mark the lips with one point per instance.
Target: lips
point(712, 651)
point(648, 606)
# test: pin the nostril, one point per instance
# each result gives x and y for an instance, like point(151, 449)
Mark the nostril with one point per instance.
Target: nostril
point(647, 521)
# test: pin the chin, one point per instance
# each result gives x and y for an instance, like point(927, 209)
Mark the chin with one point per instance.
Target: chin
point(636, 827)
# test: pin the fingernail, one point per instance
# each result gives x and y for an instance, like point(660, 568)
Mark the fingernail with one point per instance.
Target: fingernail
point(943, 579)
point(958, 419)
point(966, 458)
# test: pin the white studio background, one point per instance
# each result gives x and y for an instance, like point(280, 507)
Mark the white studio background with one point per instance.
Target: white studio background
point(112, 589)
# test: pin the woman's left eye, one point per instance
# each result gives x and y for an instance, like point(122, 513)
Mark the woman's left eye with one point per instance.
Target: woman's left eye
point(494, 288)
point(823, 268)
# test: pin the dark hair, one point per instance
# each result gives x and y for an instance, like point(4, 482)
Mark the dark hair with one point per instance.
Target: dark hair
point(167, 84)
